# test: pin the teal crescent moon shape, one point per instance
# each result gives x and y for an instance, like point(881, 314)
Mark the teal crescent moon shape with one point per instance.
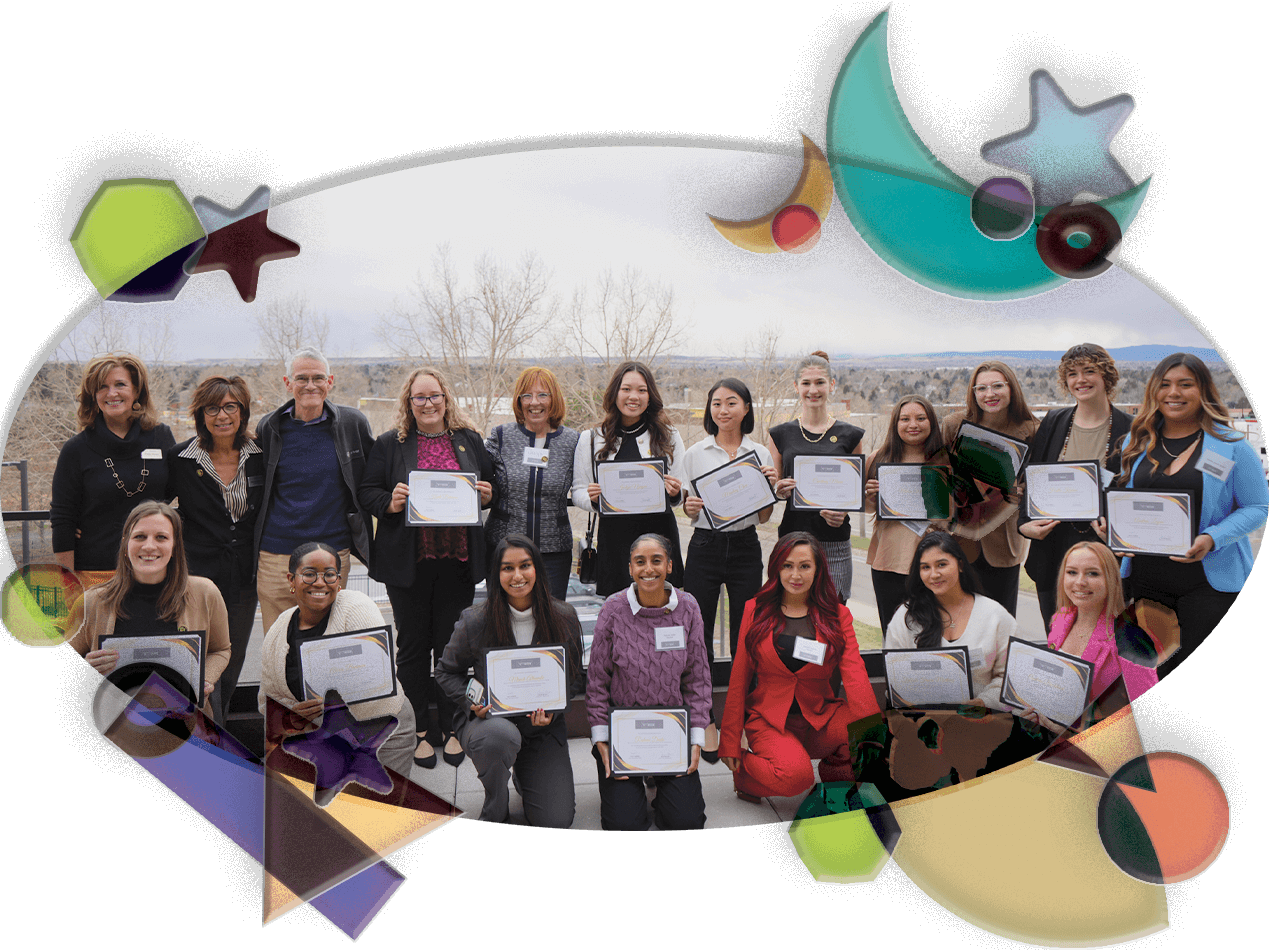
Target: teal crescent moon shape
point(911, 208)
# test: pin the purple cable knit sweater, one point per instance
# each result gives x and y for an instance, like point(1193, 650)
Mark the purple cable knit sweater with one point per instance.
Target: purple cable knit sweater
point(626, 669)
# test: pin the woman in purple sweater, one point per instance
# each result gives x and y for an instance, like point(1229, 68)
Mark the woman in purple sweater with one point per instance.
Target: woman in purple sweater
point(631, 664)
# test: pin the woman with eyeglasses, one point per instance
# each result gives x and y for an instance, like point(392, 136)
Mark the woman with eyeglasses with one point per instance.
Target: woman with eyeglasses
point(533, 475)
point(218, 477)
point(995, 401)
point(431, 573)
point(324, 610)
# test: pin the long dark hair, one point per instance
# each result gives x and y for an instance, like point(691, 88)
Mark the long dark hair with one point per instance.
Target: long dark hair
point(549, 625)
point(659, 428)
point(172, 597)
point(892, 445)
point(741, 390)
point(822, 601)
point(925, 616)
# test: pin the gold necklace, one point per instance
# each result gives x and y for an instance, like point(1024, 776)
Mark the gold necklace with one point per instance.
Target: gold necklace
point(831, 423)
point(110, 464)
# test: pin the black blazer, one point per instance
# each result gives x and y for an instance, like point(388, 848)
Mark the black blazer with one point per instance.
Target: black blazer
point(1045, 557)
point(216, 547)
point(394, 550)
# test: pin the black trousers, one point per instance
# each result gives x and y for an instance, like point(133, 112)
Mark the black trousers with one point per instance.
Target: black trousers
point(623, 805)
point(241, 605)
point(558, 566)
point(715, 558)
point(1184, 589)
point(1000, 583)
point(1048, 603)
point(891, 590)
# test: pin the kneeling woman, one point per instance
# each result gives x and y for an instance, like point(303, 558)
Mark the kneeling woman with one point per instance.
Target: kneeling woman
point(324, 610)
point(628, 669)
point(519, 611)
point(794, 635)
point(152, 592)
point(946, 607)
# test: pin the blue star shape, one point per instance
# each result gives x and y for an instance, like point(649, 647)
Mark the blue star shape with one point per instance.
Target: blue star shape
point(1065, 148)
point(343, 749)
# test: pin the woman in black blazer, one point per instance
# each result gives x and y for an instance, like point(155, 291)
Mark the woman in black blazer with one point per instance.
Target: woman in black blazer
point(431, 573)
point(219, 478)
point(1090, 430)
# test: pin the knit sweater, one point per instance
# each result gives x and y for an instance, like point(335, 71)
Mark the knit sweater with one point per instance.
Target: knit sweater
point(626, 668)
point(531, 500)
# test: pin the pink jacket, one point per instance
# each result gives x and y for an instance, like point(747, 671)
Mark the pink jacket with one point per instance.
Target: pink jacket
point(1101, 652)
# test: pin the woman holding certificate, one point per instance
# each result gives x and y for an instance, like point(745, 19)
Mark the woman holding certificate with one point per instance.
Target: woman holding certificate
point(1091, 430)
point(1181, 441)
point(815, 433)
point(995, 401)
point(152, 593)
point(429, 545)
point(912, 439)
point(638, 456)
point(947, 607)
point(533, 474)
point(797, 634)
point(519, 612)
point(325, 611)
point(648, 666)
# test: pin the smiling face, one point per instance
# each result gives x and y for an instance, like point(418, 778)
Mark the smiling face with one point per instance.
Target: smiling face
point(797, 573)
point(1085, 382)
point(814, 387)
point(224, 426)
point(1084, 581)
point(1180, 397)
point(314, 590)
point(150, 548)
point(517, 576)
point(632, 398)
point(940, 572)
point(649, 567)
point(991, 391)
point(430, 416)
point(115, 397)
point(727, 410)
point(536, 404)
point(309, 384)
point(914, 424)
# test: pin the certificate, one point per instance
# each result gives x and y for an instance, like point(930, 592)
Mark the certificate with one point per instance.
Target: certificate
point(1053, 683)
point(443, 498)
point(989, 456)
point(938, 677)
point(650, 741)
point(1065, 491)
point(734, 491)
point(835, 482)
point(631, 488)
point(1149, 522)
point(178, 657)
point(913, 492)
point(522, 679)
point(358, 664)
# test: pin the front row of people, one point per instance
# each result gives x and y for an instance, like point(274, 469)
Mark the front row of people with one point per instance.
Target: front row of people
point(795, 635)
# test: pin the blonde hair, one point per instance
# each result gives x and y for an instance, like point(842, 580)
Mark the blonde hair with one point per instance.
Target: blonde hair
point(1114, 604)
point(455, 418)
point(175, 585)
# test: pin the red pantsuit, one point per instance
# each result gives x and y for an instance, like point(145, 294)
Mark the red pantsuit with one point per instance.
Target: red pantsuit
point(781, 744)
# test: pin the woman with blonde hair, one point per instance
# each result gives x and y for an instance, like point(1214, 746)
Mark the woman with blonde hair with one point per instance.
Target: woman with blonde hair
point(995, 401)
point(114, 463)
point(431, 573)
point(533, 475)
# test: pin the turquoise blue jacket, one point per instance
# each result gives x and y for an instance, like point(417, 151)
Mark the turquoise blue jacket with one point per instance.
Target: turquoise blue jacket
point(1231, 510)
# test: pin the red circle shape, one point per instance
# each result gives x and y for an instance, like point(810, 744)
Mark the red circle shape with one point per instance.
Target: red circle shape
point(795, 229)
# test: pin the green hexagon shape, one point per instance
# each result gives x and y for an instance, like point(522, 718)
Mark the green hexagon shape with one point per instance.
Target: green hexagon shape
point(131, 224)
point(839, 849)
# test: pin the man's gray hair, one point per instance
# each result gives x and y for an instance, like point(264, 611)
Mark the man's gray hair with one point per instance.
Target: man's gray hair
point(306, 353)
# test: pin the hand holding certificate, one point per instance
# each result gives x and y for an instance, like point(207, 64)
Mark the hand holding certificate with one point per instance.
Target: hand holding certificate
point(631, 488)
point(992, 457)
point(178, 657)
point(524, 679)
point(1054, 684)
point(734, 491)
point(939, 677)
point(649, 741)
point(358, 664)
point(1149, 522)
point(832, 482)
point(1064, 491)
point(443, 498)
point(913, 492)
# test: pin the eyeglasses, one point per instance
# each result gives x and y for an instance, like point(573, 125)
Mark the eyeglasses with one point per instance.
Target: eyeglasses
point(995, 388)
point(310, 576)
point(541, 397)
point(434, 399)
point(310, 380)
point(232, 408)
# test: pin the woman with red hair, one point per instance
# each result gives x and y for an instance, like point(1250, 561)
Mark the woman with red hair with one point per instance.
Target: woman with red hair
point(794, 634)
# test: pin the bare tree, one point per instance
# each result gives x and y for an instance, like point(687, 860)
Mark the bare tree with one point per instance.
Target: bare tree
point(766, 373)
point(623, 318)
point(284, 327)
point(475, 332)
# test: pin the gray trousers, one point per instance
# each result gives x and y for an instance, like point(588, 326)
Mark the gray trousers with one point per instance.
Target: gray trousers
point(543, 772)
point(397, 751)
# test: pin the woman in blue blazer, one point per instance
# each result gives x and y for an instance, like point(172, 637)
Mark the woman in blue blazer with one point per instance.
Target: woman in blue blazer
point(1182, 439)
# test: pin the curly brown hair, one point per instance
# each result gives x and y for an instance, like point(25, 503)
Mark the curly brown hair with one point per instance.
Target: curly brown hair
point(1089, 354)
point(455, 418)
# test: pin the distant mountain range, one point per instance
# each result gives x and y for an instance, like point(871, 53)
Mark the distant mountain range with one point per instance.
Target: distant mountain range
point(1147, 353)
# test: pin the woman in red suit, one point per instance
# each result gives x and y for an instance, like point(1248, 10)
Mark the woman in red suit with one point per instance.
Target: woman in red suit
point(794, 634)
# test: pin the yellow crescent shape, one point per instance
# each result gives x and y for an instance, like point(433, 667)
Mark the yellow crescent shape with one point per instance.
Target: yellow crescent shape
point(814, 189)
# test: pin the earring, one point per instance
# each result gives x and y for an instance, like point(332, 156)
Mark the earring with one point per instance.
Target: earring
point(292, 590)
point(136, 407)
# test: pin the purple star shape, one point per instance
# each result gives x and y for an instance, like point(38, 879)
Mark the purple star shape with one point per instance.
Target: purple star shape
point(343, 749)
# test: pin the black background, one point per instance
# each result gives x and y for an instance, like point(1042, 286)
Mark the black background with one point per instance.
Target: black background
point(272, 105)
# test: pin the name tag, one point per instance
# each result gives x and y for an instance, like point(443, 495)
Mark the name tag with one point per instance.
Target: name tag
point(671, 638)
point(536, 457)
point(812, 651)
point(255, 481)
point(151, 453)
point(1215, 465)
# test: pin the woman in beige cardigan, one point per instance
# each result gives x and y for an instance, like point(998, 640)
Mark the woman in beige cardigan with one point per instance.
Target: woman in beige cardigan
point(152, 592)
point(323, 609)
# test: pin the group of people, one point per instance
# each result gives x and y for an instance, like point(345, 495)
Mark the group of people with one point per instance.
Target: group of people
point(278, 516)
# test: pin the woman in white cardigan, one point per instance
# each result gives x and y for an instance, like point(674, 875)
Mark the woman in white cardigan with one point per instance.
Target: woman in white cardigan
point(325, 610)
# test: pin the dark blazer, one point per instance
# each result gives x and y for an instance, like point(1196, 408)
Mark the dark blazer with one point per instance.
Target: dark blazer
point(1045, 557)
point(466, 651)
point(215, 546)
point(394, 551)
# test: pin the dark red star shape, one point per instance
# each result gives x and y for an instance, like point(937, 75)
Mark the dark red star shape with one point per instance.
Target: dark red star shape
point(240, 248)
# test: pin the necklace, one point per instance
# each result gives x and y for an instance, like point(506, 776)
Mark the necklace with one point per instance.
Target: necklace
point(831, 422)
point(951, 621)
point(434, 435)
point(1066, 441)
point(110, 464)
point(1164, 440)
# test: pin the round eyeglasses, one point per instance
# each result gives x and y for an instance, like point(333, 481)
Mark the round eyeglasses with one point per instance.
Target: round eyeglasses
point(310, 576)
